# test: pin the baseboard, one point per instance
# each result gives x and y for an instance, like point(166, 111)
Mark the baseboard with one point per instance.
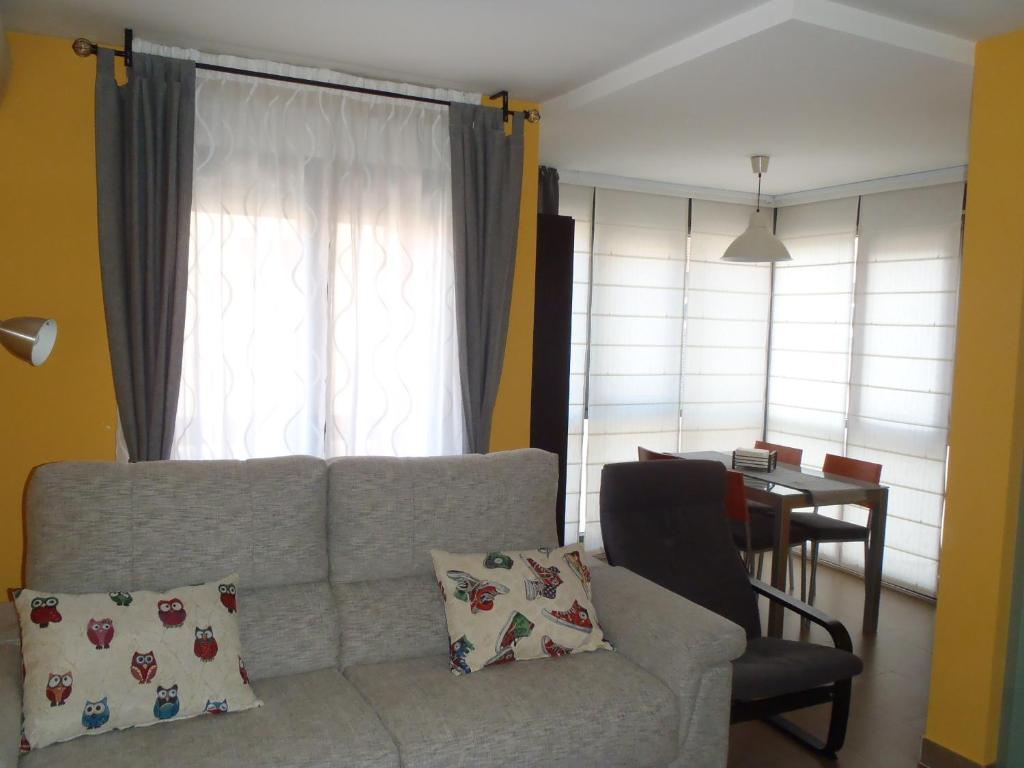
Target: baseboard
point(936, 756)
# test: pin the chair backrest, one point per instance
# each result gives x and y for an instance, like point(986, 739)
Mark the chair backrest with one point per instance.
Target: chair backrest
point(855, 469)
point(785, 453)
point(665, 520)
point(736, 497)
point(646, 454)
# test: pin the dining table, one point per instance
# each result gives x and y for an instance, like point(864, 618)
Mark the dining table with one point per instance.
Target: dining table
point(789, 487)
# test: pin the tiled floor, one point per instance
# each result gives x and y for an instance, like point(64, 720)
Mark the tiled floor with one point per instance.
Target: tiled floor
point(890, 698)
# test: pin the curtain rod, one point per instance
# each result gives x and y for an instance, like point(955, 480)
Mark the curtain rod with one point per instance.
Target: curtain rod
point(83, 47)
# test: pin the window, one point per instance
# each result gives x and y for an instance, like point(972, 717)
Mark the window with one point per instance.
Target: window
point(812, 312)
point(722, 400)
point(640, 374)
point(847, 349)
point(901, 380)
point(320, 311)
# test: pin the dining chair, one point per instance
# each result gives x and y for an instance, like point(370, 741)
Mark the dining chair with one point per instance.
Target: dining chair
point(752, 533)
point(784, 453)
point(787, 455)
point(820, 529)
point(646, 454)
point(666, 521)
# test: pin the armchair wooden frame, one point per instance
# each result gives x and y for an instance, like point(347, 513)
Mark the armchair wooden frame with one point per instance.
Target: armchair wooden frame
point(838, 694)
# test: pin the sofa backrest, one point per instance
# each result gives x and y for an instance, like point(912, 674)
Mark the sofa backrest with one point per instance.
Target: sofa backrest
point(386, 514)
point(101, 527)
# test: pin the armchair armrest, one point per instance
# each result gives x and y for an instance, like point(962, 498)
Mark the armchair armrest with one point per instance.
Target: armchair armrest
point(658, 629)
point(10, 705)
point(835, 628)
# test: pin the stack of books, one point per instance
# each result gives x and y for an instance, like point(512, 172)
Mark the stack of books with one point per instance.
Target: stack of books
point(757, 459)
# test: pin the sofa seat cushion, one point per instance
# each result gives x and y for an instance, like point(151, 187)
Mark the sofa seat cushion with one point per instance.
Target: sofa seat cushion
point(312, 720)
point(591, 709)
point(771, 667)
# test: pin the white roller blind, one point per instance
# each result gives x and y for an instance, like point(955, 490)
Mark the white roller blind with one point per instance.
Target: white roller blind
point(639, 265)
point(811, 324)
point(908, 274)
point(724, 357)
point(577, 202)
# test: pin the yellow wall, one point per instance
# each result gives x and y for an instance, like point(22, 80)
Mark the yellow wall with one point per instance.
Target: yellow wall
point(987, 430)
point(511, 424)
point(49, 266)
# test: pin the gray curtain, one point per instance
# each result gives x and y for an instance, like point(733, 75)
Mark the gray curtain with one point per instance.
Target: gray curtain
point(547, 193)
point(144, 141)
point(487, 178)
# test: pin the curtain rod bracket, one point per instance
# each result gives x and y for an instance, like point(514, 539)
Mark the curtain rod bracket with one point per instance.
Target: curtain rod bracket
point(505, 113)
point(83, 47)
point(531, 115)
point(129, 37)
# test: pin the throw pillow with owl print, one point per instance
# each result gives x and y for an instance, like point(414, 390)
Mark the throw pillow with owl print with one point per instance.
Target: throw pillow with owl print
point(505, 606)
point(101, 662)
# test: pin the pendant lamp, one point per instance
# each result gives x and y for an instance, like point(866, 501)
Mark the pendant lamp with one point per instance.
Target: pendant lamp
point(757, 244)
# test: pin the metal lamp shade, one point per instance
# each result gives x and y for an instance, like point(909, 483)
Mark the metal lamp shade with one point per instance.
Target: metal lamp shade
point(30, 338)
point(757, 244)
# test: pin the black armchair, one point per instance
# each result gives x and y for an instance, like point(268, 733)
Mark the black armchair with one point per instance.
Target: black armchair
point(666, 522)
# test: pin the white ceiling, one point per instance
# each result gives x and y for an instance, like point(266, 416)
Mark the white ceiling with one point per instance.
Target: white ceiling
point(668, 90)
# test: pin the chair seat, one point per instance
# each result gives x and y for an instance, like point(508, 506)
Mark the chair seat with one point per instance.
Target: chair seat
point(762, 533)
point(825, 528)
point(773, 667)
point(588, 709)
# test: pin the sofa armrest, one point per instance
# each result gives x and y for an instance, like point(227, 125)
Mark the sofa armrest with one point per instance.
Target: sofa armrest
point(10, 704)
point(664, 633)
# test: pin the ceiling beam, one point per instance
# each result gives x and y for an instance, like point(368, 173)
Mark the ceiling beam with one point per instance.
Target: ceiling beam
point(734, 29)
point(882, 29)
point(821, 13)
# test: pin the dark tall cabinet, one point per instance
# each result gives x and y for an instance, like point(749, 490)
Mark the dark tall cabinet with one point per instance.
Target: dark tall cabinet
point(552, 324)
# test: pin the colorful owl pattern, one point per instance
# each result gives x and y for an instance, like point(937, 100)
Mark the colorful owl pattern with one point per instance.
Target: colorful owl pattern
point(507, 606)
point(101, 662)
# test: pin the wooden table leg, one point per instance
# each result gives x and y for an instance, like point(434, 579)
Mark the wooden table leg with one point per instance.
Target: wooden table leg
point(780, 558)
point(873, 566)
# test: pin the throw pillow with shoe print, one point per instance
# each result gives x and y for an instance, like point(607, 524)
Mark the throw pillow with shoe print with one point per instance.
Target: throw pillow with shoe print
point(505, 606)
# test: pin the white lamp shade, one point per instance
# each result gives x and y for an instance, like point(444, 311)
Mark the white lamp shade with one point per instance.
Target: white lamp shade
point(757, 243)
point(30, 338)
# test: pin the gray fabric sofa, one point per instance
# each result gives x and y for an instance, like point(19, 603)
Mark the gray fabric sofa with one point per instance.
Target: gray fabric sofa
point(343, 628)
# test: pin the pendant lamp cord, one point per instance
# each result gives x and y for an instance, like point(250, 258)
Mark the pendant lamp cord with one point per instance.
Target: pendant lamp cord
point(758, 192)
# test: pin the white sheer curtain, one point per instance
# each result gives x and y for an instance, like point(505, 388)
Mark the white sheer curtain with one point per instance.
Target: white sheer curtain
point(724, 359)
point(320, 313)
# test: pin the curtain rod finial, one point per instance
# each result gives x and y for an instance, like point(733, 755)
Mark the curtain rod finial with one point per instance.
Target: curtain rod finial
point(83, 47)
